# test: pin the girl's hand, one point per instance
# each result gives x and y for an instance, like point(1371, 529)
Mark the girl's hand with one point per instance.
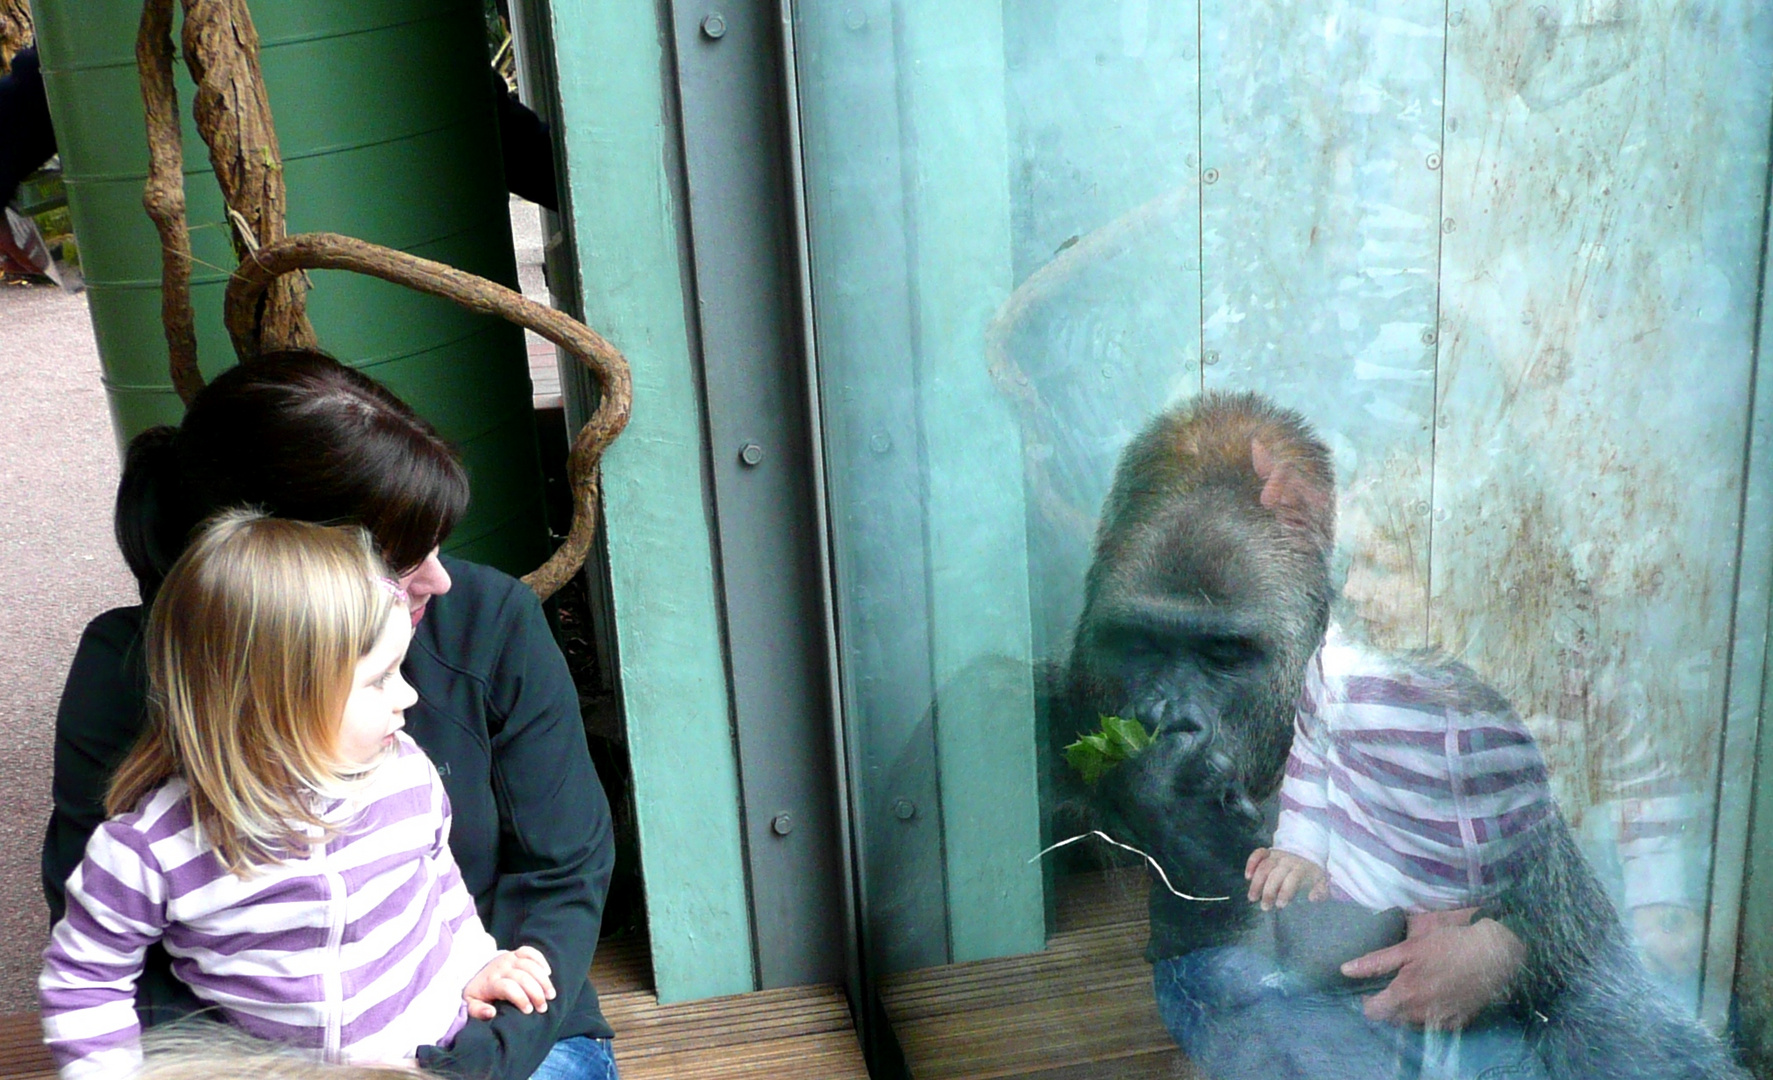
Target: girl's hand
point(1276, 875)
point(519, 976)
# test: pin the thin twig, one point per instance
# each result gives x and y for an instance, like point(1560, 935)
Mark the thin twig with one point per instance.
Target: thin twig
point(1128, 847)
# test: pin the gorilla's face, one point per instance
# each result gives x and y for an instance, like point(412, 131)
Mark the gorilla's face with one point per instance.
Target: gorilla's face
point(1200, 625)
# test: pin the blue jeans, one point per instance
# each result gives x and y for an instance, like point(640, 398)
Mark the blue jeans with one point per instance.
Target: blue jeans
point(578, 1058)
point(1239, 1016)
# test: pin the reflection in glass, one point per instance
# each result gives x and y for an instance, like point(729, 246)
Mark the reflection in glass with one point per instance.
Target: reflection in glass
point(1506, 261)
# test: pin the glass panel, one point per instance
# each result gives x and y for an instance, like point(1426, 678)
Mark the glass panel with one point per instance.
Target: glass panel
point(1506, 262)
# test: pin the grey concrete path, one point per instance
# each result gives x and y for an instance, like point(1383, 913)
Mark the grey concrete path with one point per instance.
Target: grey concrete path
point(58, 568)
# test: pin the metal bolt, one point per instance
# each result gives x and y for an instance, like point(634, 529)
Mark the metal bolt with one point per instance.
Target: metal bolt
point(782, 824)
point(855, 18)
point(881, 442)
point(1456, 18)
point(1211, 358)
point(1449, 225)
point(1428, 337)
point(1443, 422)
point(750, 453)
point(1434, 162)
point(1211, 176)
point(714, 25)
point(904, 809)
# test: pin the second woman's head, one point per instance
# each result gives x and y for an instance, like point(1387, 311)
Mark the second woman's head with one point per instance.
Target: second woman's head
point(301, 436)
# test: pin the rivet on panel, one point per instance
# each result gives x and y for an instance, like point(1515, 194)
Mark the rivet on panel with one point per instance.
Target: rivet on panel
point(1440, 513)
point(1434, 162)
point(1422, 507)
point(1211, 358)
point(1211, 176)
point(1449, 225)
point(1456, 18)
point(714, 25)
point(1452, 123)
point(782, 824)
point(1443, 422)
point(750, 453)
point(880, 442)
point(855, 18)
point(1428, 337)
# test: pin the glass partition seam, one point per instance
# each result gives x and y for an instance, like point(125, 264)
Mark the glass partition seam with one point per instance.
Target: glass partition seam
point(1439, 342)
point(909, 185)
point(1200, 196)
point(854, 910)
point(1745, 672)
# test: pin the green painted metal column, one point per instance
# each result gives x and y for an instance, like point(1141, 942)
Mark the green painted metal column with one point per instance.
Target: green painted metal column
point(624, 213)
point(385, 117)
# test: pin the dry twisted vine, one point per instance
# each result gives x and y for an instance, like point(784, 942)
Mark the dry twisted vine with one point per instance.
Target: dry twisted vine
point(329, 251)
point(265, 306)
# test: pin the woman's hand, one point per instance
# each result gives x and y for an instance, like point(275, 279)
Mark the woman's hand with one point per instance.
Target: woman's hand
point(1276, 875)
point(1448, 968)
point(520, 976)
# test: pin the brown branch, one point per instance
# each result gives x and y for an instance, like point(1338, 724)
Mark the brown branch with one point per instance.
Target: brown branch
point(164, 194)
point(329, 251)
point(233, 115)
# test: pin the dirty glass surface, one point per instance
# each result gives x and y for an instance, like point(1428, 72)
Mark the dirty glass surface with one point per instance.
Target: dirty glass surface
point(1506, 260)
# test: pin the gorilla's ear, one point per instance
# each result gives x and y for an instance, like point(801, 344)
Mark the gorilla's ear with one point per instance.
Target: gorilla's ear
point(1305, 508)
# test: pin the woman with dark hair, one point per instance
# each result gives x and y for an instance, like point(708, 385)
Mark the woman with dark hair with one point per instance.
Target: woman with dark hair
point(299, 435)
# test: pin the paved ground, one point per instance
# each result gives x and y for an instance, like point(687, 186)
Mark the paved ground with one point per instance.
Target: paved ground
point(58, 568)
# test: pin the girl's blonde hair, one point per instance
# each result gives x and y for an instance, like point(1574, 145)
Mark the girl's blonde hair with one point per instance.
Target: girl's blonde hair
point(252, 643)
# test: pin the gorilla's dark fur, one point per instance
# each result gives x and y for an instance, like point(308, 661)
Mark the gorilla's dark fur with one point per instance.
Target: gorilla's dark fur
point(1208, 595)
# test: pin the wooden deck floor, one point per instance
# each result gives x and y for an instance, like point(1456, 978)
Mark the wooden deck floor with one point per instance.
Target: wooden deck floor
point(800, 1032)
point(803, 1033)
point(1081, 1010)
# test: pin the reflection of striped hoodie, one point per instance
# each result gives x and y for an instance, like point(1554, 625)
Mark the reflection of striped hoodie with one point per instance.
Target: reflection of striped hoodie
point(359, 951)
point(1410, 784)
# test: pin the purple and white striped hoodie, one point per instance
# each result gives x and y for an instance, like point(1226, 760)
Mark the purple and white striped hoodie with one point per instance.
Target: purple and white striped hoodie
point(358, 952)
point(1410, 788)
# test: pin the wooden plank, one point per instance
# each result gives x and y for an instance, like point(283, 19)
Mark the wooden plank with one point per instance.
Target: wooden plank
point(622, 964)
point(612, 73)
point(1320, 134)
point(795, 1032)
point(952, 92)
point(1606, 171)
point(1081, 1010)
point(826, 1057)
point(22, 1053)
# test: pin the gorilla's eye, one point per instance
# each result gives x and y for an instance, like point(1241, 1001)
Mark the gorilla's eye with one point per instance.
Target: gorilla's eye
point(1227, 653)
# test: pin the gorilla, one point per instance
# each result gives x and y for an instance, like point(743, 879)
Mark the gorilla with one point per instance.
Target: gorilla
point(1208, 596)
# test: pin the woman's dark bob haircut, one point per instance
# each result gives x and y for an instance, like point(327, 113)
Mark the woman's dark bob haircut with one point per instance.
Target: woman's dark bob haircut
point(298, 435)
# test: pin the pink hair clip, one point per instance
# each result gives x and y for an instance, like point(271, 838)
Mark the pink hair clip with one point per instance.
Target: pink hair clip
point(391, 587)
